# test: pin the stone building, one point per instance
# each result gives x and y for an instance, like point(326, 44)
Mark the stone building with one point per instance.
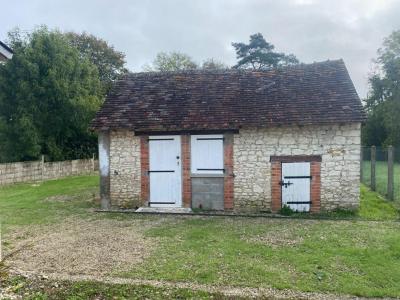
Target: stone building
point(232, 140)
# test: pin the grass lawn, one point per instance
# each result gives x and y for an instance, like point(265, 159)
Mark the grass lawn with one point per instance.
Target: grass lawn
point(382, 177)
point(360, 258)
point(357, 257)
point(25, 204)
point(374, 207)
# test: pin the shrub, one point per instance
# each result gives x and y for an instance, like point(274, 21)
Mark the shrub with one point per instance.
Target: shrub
point(286, 210)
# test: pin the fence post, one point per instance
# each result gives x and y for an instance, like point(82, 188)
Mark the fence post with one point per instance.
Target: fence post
point(42, 166)
point(390, 190)
point(361, 164)
point(93, 162)
point(1, 256)
point(373, 167)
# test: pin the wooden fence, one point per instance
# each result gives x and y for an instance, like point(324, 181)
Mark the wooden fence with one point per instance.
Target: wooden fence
point(31, 171)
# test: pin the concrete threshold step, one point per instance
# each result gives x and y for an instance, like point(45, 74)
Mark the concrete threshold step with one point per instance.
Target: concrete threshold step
point(168, 210)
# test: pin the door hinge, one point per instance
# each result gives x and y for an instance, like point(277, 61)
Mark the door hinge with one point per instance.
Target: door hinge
point(298, 202)
point(298, 177)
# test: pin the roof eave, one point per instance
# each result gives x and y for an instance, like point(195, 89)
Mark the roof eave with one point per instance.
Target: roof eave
point(6, 51)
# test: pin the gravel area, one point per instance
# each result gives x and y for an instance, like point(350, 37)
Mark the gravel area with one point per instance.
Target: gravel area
point(229, 291)
point(78, 246)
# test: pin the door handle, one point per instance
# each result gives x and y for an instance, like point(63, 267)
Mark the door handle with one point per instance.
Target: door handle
point(285, 184)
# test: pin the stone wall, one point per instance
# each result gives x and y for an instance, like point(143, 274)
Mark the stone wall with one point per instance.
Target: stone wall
point(31, 171)
point(339, 146)
point(124, 169)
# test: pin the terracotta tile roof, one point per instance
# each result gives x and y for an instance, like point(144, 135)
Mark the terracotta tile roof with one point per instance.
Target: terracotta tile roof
point(317, 93)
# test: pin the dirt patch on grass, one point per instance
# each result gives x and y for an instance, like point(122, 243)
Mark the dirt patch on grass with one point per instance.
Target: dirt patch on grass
point(78, 246)
point(87, 195)
point(61, 198)
point(287, 233)
point(293, 233)
point(275, 241)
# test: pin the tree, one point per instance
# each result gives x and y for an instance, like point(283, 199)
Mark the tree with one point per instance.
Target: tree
point(383, 102)
point(176, 61)
point(109, 62)
point(211, 64)
point(259, 55)
point(48, 95)
point(173, 61)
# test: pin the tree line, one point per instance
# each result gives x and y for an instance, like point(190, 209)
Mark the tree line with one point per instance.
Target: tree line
point(50, 91)
point(56, 81)
point(383, 101)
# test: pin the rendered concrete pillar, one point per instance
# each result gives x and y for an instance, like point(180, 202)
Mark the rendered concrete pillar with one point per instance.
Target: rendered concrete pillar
point(104, 169)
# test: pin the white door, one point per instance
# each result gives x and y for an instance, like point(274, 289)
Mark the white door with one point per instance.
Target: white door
point(165, 171)
point(296, 181)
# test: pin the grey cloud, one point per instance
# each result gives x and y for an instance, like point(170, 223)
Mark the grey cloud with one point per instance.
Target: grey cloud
point(313, 30)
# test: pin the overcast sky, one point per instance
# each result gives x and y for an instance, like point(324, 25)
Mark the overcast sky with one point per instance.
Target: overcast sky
point(312, 30)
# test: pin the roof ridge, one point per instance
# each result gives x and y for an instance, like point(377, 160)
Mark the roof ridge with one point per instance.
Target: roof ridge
point(231, 70)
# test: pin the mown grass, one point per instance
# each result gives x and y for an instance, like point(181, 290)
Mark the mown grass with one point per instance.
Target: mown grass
point(25, 204)
point(360, 258)
point(375, 207)
point(352, 257)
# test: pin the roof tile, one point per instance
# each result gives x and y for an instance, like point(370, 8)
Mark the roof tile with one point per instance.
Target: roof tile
point(305, 94)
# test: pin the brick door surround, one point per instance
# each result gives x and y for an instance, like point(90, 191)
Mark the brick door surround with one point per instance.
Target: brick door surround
point(228, 172)
point(186, 170)
point(144, 166)
point(276, 177)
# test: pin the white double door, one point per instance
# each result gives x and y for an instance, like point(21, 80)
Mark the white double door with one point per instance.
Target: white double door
point(165, 171)
point(296, 182)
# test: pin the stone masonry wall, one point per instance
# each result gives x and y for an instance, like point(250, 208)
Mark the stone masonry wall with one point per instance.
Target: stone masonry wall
point(124, 169)
point(30, 171)
point(339, 146)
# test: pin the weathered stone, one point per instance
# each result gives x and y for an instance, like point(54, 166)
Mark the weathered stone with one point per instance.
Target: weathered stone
point(339, 146)
point(339, 168)
point(124, 169)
